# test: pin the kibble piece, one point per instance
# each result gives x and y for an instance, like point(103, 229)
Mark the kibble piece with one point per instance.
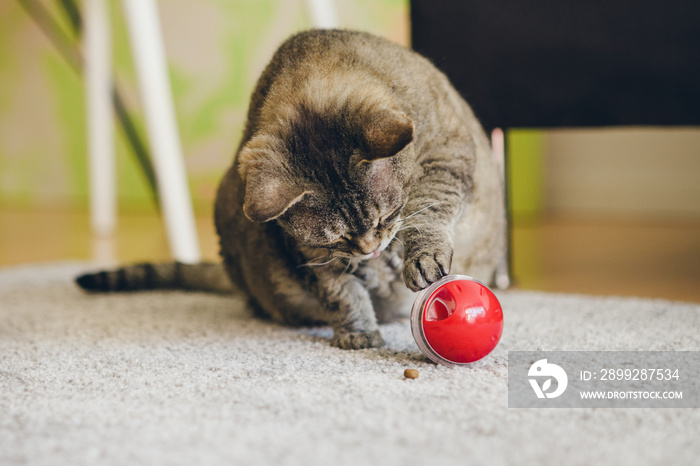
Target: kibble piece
point(410, 374)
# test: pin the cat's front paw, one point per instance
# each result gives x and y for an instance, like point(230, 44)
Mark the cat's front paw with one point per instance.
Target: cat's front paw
point(357, 340)
point(426, 267)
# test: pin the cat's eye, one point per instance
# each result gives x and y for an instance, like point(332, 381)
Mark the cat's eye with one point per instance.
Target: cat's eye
point(338, 243)
point(387, 219)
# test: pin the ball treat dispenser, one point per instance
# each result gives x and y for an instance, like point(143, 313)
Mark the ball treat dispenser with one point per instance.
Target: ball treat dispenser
point(456, 320)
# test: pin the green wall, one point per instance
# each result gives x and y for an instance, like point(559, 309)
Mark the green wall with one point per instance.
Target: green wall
point(525, 151)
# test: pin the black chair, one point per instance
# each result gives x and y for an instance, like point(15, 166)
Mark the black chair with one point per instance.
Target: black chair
point(551, 64)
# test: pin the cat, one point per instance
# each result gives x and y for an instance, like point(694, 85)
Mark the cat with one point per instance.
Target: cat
point(362, 177)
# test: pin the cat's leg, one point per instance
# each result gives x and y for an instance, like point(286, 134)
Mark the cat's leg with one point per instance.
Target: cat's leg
point(384, 280)
point(320, 297)
point(347, 307)
point(394, 305)
point(435, 202)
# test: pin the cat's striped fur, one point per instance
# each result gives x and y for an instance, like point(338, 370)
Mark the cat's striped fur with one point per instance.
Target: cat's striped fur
point(205, 276)
point(362, 176)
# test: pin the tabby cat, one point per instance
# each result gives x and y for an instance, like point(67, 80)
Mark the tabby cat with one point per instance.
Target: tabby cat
point(361, 178)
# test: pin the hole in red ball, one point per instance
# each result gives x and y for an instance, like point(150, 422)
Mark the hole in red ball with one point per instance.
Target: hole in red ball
point(441, 306)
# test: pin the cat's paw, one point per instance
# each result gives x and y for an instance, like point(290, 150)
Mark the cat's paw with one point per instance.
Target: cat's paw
point(357, 340)
point(426, 267)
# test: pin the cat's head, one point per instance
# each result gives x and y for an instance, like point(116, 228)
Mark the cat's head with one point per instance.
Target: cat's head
point(333, 181)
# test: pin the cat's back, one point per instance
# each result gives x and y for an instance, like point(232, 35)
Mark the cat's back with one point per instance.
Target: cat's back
point(327, 66)
point(333, 48)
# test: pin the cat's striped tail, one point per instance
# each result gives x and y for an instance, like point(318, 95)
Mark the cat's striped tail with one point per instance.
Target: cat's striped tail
point(204, 276)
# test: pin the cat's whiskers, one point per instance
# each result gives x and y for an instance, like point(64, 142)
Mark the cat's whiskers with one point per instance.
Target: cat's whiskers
point(343, 255)
point(409, 226)
point(421, 210)
point(397, 239)
point(340, 274)
point(405, 226)
point(312, 262)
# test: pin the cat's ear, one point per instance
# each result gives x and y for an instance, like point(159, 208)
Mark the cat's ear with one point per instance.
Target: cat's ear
point(269, 191)
point(265, 200)
point(387, 132)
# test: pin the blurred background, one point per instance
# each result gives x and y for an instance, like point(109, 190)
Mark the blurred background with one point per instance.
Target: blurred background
point(607, 212)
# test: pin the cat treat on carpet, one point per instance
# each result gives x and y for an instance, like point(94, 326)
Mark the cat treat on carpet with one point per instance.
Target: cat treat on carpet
point(411, 374)
point(456, 321)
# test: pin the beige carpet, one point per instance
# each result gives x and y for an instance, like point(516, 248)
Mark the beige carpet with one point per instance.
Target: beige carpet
point(191, 379)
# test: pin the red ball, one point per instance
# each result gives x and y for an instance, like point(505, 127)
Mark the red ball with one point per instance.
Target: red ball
point(456, 320)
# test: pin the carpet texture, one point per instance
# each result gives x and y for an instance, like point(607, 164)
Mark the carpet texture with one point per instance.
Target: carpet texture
point(191, 379)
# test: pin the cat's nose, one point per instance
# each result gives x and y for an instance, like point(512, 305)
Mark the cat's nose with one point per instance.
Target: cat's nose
point(368, 245)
